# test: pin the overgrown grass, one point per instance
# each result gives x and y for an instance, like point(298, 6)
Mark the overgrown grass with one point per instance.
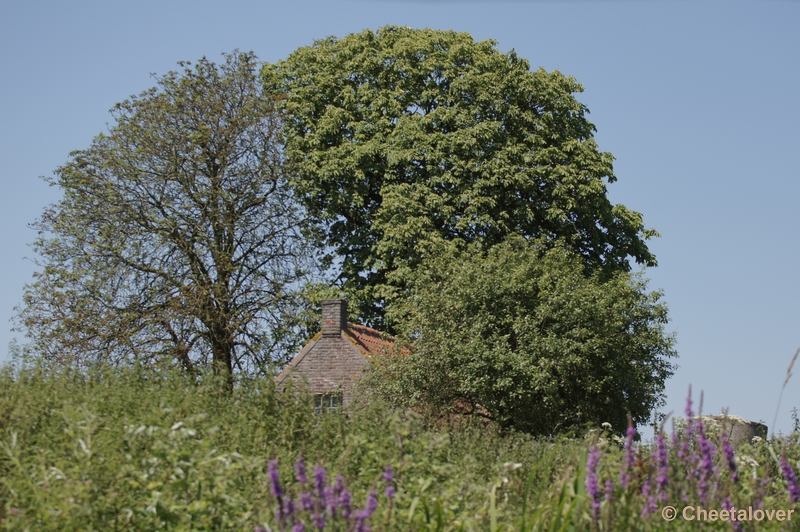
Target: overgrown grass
point(129, 449)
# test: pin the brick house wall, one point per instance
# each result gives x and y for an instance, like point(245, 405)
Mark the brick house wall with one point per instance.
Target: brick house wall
point(333, 360)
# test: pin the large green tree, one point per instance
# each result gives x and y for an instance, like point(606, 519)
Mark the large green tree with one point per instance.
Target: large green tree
point(178, 236)
point(401, 135)
point(520, 335)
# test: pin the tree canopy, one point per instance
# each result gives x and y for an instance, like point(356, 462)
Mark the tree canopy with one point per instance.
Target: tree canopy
point(178, 236)
point(520, 335)
point(402, 136)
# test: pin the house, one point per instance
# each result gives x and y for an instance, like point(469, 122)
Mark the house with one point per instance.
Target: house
point(333, 360)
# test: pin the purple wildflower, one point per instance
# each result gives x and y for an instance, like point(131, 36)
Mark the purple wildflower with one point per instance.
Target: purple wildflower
point(592, 487)
point(330, 499)
point(687, 458)
point(372, 502)
point(288, 506)
point(338, 486)
point(729, 456)
point(688, 411)
point(363, 515)
point(727, 504)
point(300, 470)
point(759, 500)
point(791, 479)
point(662, 466)
point(275, 479)
point(627, 464)
point(345, 499)
point(608, 488)
point(683, 445)
point(318, 518)
point(306, 501)
point(649, 499)
point(299, 527)
point(706, 470)
point(362, 527)
point(388, 477)
point(319, 481)
point(275, 487)
point(690, 423)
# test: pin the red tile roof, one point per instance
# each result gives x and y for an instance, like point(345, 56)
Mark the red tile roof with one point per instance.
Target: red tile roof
point(370, 341)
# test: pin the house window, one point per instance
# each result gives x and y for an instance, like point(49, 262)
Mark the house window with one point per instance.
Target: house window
point(327, 402)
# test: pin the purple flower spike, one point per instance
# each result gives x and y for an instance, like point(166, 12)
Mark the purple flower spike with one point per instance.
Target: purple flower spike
point(649, 499)
point(288, 505)
point(372, 502)
point(388, 477)
point(306, 501)
point(300, 470)
point(592, 488)
point(690, 423)
point(274, 479)
point(299, 527)
point(628, 460)
point(363, 515)
point(688, 411)
point(706, 469)
point(728, 452)
point(319, 482)
point(344, 503)
point(319, 520)
point(727, 504)
point(791, 479)
point(330, 499)
point(662, 465)
point(275, 488)
point(608, 488)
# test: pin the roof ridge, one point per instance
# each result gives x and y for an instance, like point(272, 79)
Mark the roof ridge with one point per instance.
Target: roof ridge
point(370, 341)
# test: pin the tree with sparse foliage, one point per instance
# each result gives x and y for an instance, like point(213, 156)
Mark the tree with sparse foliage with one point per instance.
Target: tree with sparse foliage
point(178, 237)
point(520, 335)
point(402, 136)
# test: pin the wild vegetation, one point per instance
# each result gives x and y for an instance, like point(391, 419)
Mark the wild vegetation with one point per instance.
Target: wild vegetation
point(143, 449)
point(157, 449)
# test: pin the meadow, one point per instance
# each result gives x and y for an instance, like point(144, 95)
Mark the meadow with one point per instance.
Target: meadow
point(146, 449)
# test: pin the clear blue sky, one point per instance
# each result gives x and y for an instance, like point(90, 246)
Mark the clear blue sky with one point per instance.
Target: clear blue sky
point(698, 101)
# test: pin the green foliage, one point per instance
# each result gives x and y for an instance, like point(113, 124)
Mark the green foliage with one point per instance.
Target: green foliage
point(154, 449)
point(402, 136)
point(144, 449)
point(177, 237)
point(519, 334)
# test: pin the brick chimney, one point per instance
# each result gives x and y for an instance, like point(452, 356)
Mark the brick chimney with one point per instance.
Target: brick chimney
point(334, 317)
